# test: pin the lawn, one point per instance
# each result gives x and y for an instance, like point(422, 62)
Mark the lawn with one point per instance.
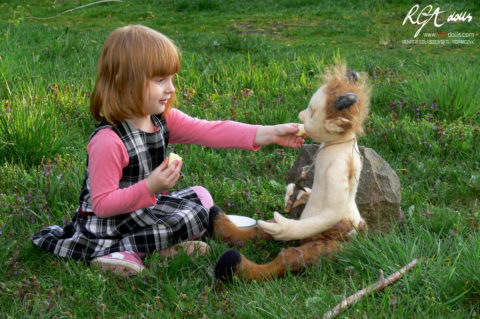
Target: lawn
point(255, 62)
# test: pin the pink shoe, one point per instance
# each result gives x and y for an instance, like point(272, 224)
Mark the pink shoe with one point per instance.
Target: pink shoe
point(123, 263)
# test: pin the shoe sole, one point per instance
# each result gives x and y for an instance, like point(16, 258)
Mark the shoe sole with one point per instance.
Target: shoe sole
point(120, 267)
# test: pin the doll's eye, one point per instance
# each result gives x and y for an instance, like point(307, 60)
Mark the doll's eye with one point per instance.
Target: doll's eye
point(312, 111)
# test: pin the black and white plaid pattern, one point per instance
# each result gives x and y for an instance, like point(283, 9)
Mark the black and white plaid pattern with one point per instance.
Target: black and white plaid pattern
point(175, 217)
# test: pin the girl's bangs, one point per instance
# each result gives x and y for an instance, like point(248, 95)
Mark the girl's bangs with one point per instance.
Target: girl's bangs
point(164, 61)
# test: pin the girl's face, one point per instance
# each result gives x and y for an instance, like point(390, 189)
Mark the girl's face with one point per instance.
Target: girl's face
point(157, 94)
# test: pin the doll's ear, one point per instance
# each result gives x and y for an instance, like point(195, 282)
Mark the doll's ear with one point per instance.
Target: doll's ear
point(338, 125)
point(353, 76)
point(345, 100)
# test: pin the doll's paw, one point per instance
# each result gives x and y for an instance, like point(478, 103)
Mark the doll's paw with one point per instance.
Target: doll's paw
point(280, 230)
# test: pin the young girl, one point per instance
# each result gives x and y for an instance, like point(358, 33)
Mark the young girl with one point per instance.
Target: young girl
point(125, 210)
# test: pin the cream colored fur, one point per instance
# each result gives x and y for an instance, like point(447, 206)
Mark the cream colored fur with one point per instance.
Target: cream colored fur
point(337, 172)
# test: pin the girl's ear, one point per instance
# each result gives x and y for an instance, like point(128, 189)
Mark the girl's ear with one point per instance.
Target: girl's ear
point(338, 125)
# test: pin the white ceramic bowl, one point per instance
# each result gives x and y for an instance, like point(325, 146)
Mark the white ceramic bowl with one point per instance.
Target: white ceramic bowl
point(242, 221)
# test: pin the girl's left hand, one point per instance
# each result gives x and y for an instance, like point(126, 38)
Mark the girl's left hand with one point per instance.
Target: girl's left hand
point(281, 134)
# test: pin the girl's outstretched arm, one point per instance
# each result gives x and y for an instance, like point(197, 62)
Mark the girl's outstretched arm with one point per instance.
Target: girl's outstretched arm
point(185, 129)
point(229, 134)
point(281, 134)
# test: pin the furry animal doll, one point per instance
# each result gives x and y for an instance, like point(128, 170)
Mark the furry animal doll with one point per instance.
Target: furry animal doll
point(334, 117)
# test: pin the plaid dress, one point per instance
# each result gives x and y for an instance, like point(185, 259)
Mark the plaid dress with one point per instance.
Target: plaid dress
point(175, 217)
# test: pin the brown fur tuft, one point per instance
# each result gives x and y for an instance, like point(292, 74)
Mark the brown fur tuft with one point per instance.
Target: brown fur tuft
point(351, 172)
point(338, 84)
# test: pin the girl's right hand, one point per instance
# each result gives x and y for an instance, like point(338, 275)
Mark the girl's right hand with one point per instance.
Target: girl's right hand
point(163, 177)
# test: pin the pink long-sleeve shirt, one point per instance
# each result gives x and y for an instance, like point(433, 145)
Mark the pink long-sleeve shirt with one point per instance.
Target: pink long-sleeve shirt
point(108, 156)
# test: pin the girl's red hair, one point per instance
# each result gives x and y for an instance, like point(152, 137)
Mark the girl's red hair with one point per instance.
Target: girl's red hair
point(131, 56)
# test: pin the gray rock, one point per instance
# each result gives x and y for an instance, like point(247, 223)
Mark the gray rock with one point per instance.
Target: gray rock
point(378, 195)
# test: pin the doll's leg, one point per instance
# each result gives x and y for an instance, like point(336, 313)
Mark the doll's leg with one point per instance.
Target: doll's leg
point(291, 259)
point(222, 228)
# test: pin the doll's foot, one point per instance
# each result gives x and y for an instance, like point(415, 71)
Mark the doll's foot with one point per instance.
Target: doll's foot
point(123, 263)
point(194, 248)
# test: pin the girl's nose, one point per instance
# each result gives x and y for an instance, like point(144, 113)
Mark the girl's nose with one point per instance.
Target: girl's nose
point(170, 87)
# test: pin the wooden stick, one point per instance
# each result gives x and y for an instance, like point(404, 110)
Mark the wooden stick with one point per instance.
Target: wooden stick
point(380, 284)
point(76, 8)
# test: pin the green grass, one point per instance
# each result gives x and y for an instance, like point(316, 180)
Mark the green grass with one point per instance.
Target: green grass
point(255, 62)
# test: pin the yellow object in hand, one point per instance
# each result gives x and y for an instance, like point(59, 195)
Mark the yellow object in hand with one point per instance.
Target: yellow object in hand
point(172, 158)
point(301, 130)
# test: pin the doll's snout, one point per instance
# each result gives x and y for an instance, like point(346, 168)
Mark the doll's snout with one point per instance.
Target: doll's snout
point(301, 116)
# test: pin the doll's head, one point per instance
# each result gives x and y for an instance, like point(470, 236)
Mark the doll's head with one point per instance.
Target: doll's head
point(131, 56)
point(339, 107)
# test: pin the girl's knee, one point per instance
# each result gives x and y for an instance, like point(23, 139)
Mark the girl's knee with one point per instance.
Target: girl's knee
point(204, 196)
